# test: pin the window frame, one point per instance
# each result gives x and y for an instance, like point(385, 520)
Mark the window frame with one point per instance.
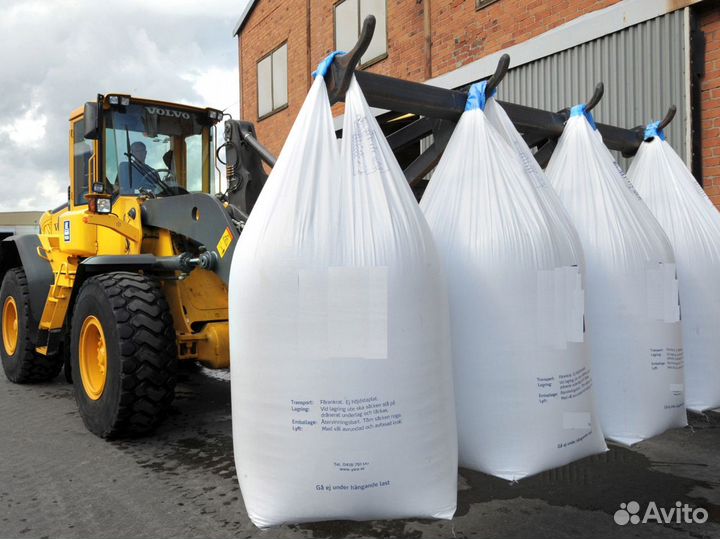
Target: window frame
point(482, 4)
point(372, 61)
point(77, 128)
point(272, 82)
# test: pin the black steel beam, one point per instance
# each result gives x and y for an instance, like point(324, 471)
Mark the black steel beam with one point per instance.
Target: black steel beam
point(443, 104)
point(425, 100)
point(627, 141)
point(261, 150)
point(544, 153)
point(423, 164)
point(405, 96)
point(542, 122)
point(410, 133)
point(533, 138)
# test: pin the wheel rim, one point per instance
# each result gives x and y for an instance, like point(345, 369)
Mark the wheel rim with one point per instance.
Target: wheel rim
point(10, 329)
point(93, 358)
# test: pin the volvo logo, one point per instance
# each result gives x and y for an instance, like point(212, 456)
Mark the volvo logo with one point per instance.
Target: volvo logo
point(169, 112)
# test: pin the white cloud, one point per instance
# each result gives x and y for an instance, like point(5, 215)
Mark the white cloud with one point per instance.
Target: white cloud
point(225, 9)
point(211, 85)
point(26, 130)
point(58, 54)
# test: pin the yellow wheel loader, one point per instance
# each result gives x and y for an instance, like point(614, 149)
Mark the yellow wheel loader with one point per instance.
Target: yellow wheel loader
point(130, 276)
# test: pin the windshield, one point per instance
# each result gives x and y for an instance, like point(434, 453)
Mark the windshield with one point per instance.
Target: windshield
point(157, 150)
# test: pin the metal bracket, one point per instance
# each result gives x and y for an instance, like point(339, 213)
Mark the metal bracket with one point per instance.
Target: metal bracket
point(343, 65)
point(497, 77)
point(669, 115)
point(596, 97)
point(591, 103)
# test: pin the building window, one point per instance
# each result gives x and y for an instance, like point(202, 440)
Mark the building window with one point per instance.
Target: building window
point(272, 82)
point(479, 4)
point(349, 16)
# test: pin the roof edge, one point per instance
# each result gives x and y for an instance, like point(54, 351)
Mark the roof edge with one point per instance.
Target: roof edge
point(249, 6)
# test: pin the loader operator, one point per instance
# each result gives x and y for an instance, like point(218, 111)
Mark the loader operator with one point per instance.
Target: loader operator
point(134, 174)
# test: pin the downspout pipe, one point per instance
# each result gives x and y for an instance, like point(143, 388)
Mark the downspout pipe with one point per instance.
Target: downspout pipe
point(427, 30)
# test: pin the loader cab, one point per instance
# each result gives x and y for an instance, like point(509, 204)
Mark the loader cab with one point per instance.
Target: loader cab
point(138, 147)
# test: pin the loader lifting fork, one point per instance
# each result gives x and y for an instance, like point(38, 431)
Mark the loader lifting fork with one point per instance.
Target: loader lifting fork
point(428, 110)
point(130, 276)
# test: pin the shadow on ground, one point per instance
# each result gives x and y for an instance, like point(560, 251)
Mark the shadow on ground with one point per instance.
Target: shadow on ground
point(194, 438)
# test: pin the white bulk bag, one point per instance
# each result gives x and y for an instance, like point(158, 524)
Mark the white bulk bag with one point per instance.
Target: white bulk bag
point(341, 375)
point(522, 374)
point(632, 310)
point(692, 223)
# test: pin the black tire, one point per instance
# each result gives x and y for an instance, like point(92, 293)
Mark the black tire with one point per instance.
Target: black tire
point(24, 365)
point(140, 349)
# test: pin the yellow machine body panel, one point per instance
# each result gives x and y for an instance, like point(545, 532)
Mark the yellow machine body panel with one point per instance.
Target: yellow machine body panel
point(77, 239)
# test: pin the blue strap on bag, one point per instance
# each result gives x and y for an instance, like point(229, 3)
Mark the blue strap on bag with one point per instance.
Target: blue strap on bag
point(581, 110)
point(476, 96)
point(652, 131)
point(324, 66)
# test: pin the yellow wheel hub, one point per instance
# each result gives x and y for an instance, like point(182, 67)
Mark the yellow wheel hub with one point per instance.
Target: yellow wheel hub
point(10, 330)
point(93, 358)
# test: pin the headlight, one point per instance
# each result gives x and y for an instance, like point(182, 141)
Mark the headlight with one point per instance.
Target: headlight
point(122, 100)
point(104, 205)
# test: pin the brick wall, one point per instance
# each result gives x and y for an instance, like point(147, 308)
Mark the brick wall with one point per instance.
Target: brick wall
point(405, 38)
point(710, 102)
point(271, 23)
point(460, 35)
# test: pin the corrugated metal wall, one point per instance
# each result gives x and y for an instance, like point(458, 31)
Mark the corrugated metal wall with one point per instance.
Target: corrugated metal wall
point(643, 68)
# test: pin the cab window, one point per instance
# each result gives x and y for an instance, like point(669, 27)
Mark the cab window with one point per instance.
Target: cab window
point(82, 151)
point(194, 159)
point(157, 150)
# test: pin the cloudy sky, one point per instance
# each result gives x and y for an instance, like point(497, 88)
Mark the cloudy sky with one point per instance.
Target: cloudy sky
point(57, 54)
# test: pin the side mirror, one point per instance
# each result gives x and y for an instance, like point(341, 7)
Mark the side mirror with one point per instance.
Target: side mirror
point(91, 117)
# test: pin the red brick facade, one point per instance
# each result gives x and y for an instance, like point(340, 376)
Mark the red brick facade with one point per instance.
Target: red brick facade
point(272, 23)
point(460, 34)
point(710, 101)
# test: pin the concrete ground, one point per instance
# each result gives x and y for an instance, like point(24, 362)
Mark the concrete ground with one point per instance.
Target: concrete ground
point(58, 480)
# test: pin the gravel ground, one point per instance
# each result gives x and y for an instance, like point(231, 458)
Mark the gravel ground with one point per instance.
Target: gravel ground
point(58, 480)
